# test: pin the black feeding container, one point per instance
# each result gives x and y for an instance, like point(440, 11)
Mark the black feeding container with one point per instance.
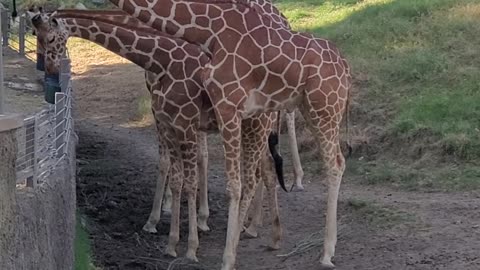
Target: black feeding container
point(51, 86)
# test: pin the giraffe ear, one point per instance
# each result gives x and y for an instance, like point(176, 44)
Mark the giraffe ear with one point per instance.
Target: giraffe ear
point(53, 22)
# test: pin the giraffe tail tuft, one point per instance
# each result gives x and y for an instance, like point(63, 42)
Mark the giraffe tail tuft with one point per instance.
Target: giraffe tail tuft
point(277, 158)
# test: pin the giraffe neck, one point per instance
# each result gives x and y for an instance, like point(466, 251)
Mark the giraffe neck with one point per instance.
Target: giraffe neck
point(200, 21)
point(146, 49)
point(106, 15)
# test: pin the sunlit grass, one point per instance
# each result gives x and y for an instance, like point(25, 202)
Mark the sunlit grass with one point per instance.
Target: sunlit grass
point(419, 65)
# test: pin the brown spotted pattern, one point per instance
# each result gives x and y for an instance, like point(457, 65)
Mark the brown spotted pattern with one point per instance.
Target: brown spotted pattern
point(258, 65)
point(178, 102)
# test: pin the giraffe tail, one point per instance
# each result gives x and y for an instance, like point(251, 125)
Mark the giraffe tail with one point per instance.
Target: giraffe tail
point(273, 141)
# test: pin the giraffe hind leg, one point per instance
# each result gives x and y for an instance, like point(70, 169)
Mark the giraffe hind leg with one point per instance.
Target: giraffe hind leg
point(325, 128)
point(202, 157)
point(176, 183)
point(256, 210)
point(297, 165)
point(162, 179)
point(268, 177)
point(189, 154)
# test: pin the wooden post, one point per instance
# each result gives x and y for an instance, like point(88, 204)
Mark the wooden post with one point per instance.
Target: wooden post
point(21, 35)
point(8, 157)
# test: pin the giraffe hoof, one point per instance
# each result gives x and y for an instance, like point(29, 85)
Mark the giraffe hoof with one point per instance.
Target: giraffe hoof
point(191, 256)
point(251, 233)
point(327, 264)
point(171, 252)
point(148, 227)
point(273, 247)
point(298, 188)
point(203, 227)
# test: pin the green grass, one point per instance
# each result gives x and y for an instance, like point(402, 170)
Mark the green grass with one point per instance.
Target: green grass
point(418, 66)
point(416, 177)
point(144, 108)
point(83, 259)
point(376, 215)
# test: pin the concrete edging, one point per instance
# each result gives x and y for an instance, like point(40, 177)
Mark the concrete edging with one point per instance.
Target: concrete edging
point(10, 121)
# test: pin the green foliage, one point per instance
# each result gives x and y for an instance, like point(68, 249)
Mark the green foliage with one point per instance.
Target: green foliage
point(408, 176)
point(418, 63)
point(144, 106)
point(83, 260)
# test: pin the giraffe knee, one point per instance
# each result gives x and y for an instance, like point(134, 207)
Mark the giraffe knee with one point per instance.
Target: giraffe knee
point(234, 191)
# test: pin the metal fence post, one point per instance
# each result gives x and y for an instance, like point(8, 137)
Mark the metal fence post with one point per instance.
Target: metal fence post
point(2, 92)
point(21, 35)
point(31, 152)
point(5, 19)
point(65, 75)
point(60, 123)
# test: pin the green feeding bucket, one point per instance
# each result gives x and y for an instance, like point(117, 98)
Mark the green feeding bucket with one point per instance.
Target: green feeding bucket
point(51, 86)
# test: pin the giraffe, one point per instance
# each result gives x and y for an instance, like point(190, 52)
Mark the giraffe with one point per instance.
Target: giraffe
point(264, 6)
point(54, 32)
point(256, 66)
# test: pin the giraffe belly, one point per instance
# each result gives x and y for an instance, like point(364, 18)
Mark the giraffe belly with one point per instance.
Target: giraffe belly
point(258, 103)
point(253, 105)
point(208, 121)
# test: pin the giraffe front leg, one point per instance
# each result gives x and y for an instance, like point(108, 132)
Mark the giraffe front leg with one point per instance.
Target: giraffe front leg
point(254, 143)
point(167, 202)
point(164, 169)
point(268, 177)
point(232, 149)
point(190, 187)
point(176, 183)
point(335, 163)
point(297, 165)
point(326, 128)
point(202, 157)
point(256, 209)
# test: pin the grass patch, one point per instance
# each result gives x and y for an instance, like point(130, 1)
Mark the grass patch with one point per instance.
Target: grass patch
point(375, 215)
point(83, 258)
point(417, 63)
point(144, 108)
point(415, 177)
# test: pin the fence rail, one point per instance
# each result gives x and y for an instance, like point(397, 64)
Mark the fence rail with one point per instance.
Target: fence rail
point(45, 138)
point(14, 33)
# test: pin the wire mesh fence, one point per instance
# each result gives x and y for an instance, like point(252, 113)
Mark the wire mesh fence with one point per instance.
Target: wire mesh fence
point(17, 34)
point(44, 140)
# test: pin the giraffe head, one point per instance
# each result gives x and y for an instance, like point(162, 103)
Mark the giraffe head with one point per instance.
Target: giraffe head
point(52, 36)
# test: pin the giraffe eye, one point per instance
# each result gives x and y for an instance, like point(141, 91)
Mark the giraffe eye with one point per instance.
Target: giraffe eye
point(51, 40)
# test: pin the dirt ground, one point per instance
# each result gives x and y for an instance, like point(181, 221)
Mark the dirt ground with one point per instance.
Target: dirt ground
point(23, 90)
point(379, 228)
